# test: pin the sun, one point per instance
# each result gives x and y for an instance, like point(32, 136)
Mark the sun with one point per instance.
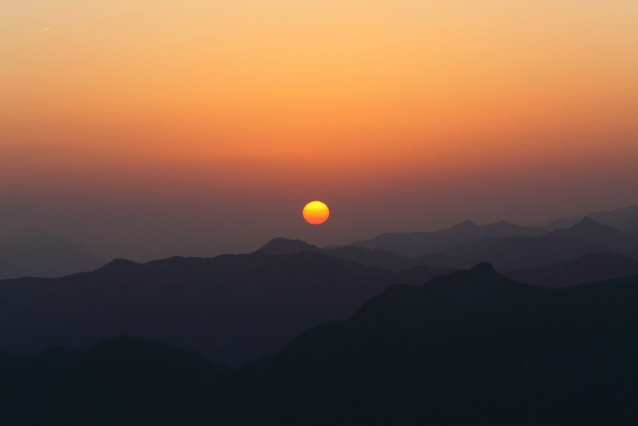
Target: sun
point(316, 212)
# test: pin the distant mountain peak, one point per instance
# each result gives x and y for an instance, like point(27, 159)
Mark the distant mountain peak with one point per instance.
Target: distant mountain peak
point(588, 224)
point(588, 221)
point(118, 265)
point(613, 218)
point(465, 224)
point(281, 245)
point(484, 268)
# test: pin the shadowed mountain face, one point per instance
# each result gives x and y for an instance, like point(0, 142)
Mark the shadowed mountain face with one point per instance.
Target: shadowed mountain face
point(417, 244)
point(232, 308)
point(33, 253)
point(615, 218)
point(380, 258)
point(586, 237)
point(472, 347)
point(589, 268)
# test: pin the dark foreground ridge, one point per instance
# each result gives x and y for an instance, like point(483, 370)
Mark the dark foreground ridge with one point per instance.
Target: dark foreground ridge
point(469, 348)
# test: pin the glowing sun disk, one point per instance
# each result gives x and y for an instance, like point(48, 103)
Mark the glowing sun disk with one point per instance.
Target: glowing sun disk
point(316, 213)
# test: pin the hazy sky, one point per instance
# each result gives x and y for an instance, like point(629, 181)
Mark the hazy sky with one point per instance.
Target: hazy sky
point(194, 127)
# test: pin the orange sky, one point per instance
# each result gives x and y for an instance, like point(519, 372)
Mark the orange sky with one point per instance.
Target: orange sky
point(214, 115)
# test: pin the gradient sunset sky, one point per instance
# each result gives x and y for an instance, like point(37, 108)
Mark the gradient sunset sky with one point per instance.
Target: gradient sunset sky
point(146, 129)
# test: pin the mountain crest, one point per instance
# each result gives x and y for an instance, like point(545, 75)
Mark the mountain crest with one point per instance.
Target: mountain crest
point(118, 265)
point(484, 268)
point(466, 224)
point(588, 224)
point(286, 246)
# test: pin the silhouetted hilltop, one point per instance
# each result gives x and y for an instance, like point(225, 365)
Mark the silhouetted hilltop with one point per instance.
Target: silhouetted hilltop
point(586, 269)
point(589, 230)
point(613, 218)
point(379, 258)
point(287, 246)
point(39, 254)
point(423, 243)
point(232, 308)
point(460, 290)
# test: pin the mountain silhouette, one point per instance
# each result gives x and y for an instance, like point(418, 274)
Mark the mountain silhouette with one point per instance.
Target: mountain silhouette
point(415, 244)
point(589, 268)
point(341, 336)
point(287, 246)
point(588, 230)
point(231, 308)
point(613, 218)
point(379, 258)
point(471, 347)
point(35, 253)
point(585, 237)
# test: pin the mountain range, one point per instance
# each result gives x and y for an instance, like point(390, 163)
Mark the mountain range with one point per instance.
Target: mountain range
point(376, 257)
point(618, 218)
point(407, 329)
point(36, 253)
point(416, 244)
point(585, 237)
point(470, 347)
point(233, 308)
point(236, 308)
point(506, 253)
